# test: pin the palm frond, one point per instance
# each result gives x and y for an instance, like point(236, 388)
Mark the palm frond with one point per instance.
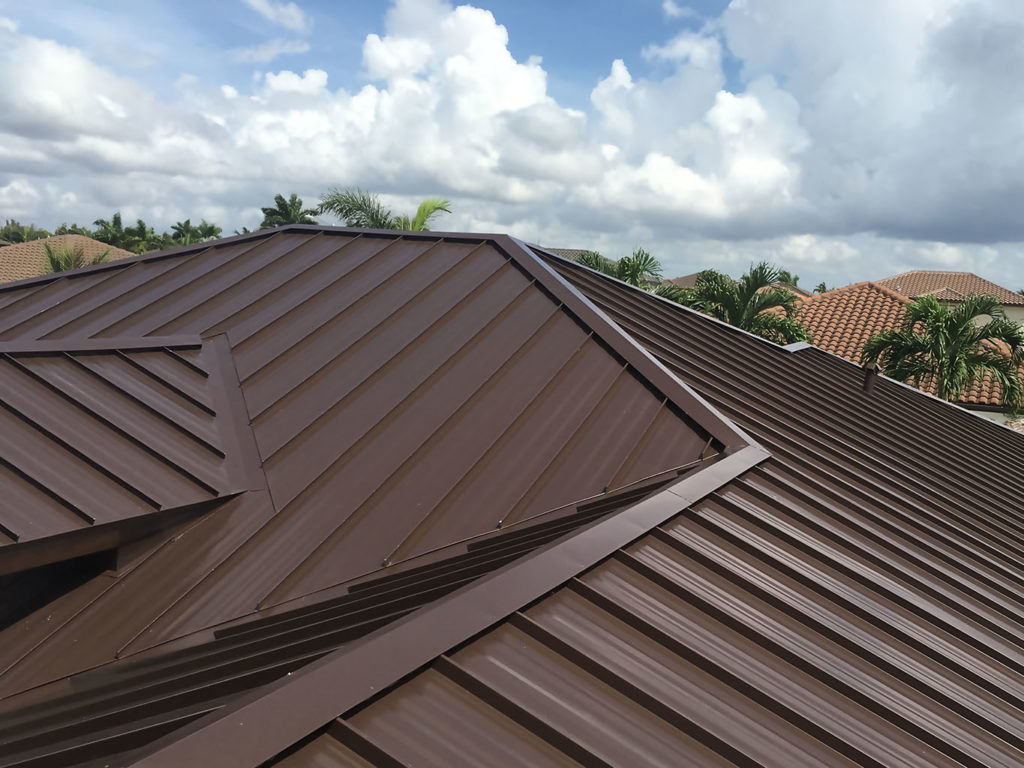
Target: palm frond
point(595, 261)
point(671, 292)
point(357, 208)
point(428, 210)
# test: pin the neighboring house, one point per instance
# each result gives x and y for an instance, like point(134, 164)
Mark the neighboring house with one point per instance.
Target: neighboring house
point(689, 281)
point(23, 260)
point(842, 320)
point(953, 287)
point(685, 282)
point(567, 253)
point(324, 497)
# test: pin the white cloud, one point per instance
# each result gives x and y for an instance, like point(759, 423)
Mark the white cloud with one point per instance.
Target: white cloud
point(674, 10)
point(266, 52)
point(853, 142)
point(309, 83)
point(8, 26)
point(287, 15)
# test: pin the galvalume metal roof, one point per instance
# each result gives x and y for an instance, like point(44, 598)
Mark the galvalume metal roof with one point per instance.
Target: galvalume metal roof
point(480, 506)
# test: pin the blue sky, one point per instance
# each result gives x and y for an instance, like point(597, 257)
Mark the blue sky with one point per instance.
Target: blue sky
point(844, 140)
point(576, 40)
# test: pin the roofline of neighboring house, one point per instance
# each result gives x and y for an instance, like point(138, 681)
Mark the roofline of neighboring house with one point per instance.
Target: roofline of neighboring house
point(318, 693)
point(870, 283)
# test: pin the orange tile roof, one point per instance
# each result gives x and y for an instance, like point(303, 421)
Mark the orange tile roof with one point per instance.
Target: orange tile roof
point(948, 286)
point(23, 260)
point(841, 321)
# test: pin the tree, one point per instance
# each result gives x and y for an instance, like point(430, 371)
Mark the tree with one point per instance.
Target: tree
point(207, 231)
point(60, 258)
point(184, 233)
point(639, 268)
point(821, 288)
point(113, 233)
point(365, 209)
point(953, 347)
point(754, 303)
point(288, 211)
point(14, 231)
point(788, 278)
point(72, 229)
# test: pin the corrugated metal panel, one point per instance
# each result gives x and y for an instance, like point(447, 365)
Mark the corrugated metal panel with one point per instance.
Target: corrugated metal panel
point(405, 393)
point(162, 692)
point(854, 600)
point(91, 439)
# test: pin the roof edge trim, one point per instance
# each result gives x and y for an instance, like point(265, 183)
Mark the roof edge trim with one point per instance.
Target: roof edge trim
point(84, 541)
point(686, 399)
point(120, 343)
point(314, 695)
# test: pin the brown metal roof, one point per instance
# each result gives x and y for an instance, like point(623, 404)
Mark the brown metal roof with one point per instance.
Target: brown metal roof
point(854, 600)
point(844, 591)
point(99, 445)
point(390, 396)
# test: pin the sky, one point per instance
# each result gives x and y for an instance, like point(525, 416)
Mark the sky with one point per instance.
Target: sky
point(844, 141)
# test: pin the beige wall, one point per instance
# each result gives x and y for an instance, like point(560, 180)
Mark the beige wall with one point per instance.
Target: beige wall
point(1015, 313)
point(996, 416)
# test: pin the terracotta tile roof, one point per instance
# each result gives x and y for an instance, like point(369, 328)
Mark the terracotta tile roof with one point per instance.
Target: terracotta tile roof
point(568, 253)
point(841, 321)
point(23, 260)
point(948, 286)
point(686, 281)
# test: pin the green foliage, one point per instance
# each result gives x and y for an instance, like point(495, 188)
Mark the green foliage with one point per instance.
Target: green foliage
point(60, 258)
point(639, 268)
point(365, 209)
point(744, 303)
point(595, 261)
point(113, 233)
point(953, 348)
point(788, 278)
point(671, 292)
point(15, 232)
point(288, 211)
point(186, 233)
point(72, 229)
point(821, 288)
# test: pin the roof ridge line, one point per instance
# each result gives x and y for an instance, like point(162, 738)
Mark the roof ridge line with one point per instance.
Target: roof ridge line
point(321, 691)
point(892, 293)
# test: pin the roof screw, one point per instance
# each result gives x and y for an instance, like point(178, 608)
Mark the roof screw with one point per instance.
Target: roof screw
point(870, 376)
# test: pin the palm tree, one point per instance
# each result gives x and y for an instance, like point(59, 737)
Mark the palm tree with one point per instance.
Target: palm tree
point(114, 233)
point(821, 288)
point(953, 347)
point(207, 231)
point(639, 268)
point(788, 278)
point(745, 303)
point(288, 211)
point(60, 258)
point(184, 233)
point(364, 209)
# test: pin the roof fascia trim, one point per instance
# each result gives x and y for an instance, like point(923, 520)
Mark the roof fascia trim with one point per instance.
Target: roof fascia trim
point(686, 399)
point(118, 343)
point(262, 724)
point(64, 546)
